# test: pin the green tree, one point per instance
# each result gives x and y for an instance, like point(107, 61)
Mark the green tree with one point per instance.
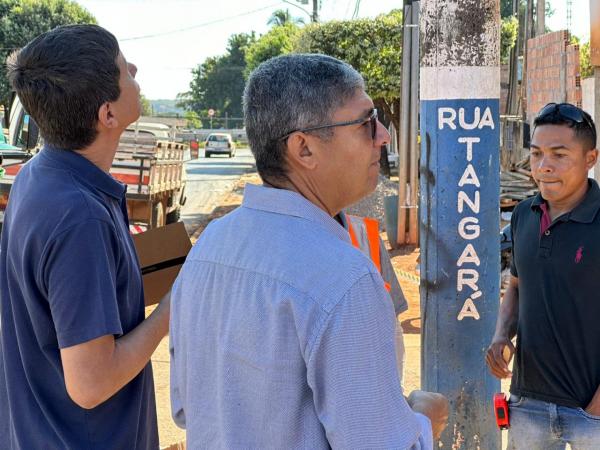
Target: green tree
point(508, 37)
point(283, 17)
point(586, 68)
point(506, 8)
point(278, 41)
point(371, 46)
point(146, 105)
point(218, 82)
point(193, 119)
point(22, 20)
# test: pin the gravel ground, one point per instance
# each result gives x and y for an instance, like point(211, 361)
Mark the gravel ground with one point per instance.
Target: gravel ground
point(372, 205)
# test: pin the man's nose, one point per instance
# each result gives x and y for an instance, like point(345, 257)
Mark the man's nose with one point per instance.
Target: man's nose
point(545, 165)
point(382, 135)
point(132, 68)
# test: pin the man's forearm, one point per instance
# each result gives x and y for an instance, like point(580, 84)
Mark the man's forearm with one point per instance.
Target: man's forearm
point(96, 370)
point(508, 316)
point(134, 350)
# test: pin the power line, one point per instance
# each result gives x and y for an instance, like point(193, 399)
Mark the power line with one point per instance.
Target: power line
point(356, 9)
point(193, 27)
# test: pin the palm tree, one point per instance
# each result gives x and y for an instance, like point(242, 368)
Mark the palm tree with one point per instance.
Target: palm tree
point(282, 17)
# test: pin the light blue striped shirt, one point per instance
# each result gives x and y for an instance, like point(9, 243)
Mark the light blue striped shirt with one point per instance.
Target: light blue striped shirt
point(282, 336)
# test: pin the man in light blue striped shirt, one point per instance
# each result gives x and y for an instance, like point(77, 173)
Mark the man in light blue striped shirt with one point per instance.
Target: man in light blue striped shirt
point(282, 333)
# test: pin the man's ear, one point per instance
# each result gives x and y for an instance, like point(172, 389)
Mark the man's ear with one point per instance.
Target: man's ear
point(591, 157)
point(299, 151)
point(106, 118)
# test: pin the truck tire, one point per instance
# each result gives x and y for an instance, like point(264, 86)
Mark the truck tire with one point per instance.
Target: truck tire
point(174, 216)
point(158, 215)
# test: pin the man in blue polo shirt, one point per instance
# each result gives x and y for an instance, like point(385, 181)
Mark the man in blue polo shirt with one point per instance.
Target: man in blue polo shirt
point(75, 348)
point(551, 305)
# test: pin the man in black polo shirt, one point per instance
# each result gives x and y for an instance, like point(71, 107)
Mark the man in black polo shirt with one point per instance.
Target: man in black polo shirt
point(75, 349)
point(552, 304)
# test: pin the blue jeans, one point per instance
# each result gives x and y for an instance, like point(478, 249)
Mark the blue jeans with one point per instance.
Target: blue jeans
point(537, 425)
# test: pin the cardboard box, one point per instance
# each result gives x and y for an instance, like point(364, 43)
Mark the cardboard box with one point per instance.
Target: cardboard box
point(162, 252)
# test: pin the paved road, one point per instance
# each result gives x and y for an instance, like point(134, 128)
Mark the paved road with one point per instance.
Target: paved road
point(208, 179)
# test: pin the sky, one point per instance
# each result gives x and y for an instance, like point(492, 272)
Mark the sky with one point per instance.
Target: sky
point(167, 38)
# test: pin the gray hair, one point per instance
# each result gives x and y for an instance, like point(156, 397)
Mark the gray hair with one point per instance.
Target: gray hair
point(288, 93)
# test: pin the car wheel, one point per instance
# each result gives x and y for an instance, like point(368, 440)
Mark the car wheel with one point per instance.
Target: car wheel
point(207, 154)
point(174, 216)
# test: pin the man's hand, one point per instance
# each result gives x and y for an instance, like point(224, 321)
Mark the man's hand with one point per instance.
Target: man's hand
point(434, 406)
point(501, 350)
point(498, 355)
point(594, 407)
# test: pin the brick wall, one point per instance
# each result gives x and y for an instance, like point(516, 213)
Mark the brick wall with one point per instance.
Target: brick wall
point(553, 73)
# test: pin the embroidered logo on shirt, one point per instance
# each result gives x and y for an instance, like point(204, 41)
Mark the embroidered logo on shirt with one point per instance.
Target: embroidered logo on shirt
point(579, 255)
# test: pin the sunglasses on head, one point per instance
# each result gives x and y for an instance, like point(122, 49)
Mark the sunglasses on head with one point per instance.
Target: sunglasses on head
point(565, 111)
point(372, 119)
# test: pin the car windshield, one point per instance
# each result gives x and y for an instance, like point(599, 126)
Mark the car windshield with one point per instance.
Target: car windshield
point(215, 138)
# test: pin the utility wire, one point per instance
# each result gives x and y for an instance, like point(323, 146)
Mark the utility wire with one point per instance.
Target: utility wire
point(193, 27)
point(356, 9)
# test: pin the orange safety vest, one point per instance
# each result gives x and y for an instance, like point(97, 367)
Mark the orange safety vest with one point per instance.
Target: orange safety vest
point(372, 229)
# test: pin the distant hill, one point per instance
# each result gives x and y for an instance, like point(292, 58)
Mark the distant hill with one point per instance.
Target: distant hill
point(166, 107)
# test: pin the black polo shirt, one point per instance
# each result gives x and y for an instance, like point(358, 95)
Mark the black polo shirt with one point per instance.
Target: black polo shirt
point(558, 333)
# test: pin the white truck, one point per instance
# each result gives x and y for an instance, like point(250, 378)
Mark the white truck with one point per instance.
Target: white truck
point(149, 164)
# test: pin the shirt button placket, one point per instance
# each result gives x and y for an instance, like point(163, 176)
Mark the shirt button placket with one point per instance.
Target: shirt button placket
point(545, 244)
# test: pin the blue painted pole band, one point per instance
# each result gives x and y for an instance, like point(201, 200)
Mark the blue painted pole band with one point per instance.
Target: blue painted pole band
point(460, 266)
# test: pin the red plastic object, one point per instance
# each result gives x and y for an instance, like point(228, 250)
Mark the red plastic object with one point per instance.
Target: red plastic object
point(501, 411)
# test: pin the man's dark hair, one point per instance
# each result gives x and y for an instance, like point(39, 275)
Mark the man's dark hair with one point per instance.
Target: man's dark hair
point(63, 77)
point(576, 118)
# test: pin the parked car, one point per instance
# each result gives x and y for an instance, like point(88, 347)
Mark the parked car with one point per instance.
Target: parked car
point(219, 143)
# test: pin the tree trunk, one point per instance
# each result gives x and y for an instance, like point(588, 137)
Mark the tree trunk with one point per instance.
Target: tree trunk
point(392, 114)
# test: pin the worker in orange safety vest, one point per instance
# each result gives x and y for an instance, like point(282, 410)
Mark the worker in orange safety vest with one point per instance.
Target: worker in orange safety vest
point(364, 235)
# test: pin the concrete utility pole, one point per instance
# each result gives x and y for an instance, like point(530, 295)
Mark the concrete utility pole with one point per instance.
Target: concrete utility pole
point(314, 16)
point(540, 19)
point(459, 204)
point(408, 149)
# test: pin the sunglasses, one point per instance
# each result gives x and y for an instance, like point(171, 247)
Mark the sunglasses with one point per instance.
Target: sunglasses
point(568, 112)
point(372, 119)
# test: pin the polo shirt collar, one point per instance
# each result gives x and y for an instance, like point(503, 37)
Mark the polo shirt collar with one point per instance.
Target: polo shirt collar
point(585, 212)
point(289, 203)
point(86, 171)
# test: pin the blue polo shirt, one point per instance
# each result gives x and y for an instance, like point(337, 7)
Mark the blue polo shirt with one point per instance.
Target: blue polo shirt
point(68, 274)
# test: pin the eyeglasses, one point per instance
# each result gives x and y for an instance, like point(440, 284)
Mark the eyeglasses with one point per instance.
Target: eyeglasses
point(372, 118)
point(568, 112)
